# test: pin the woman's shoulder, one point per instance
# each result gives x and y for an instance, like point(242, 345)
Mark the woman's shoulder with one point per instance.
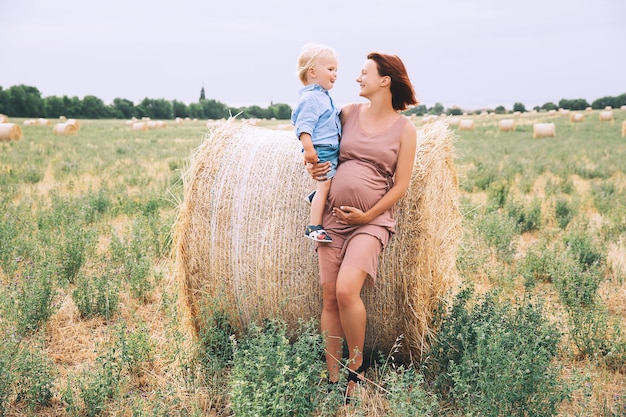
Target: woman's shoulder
point(349, 109)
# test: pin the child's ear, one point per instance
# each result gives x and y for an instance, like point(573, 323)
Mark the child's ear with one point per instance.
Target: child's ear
point(311, 72)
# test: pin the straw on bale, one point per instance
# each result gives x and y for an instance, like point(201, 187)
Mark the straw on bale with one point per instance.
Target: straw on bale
point(140, 126)
point(624, 128)
point(577, 118)
point(74, 123)
point(507, 125)
point(606, 115)
point(238, 238)
point(466, 124)
point(543, 130)
point(66, 128)
point(10, 131)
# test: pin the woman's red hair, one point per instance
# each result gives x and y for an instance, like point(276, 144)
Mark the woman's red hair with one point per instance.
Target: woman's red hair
point(402, 93)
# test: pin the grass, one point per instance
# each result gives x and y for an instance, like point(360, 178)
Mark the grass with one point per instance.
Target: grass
point(89, 317)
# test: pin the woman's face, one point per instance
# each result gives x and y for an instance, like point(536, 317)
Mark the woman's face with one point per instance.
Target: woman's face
point(369, 79)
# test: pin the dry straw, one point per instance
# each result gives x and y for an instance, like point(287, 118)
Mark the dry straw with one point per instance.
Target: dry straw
point(239, 245)
point(624, 128)
point(606, 115)
point(506, 125)
point(10, 131)
point(543, 130)
point(66, 128)
point(466, 124)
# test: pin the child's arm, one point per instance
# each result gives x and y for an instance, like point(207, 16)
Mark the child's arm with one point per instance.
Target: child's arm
point(310, 156)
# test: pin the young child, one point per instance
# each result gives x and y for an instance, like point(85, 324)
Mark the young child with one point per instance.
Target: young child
point(317, 125)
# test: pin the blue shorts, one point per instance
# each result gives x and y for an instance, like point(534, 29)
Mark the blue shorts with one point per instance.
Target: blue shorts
point(328, 153)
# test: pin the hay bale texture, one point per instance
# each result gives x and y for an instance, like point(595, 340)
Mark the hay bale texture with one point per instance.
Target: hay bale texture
point(10, 131)
point(238, 239)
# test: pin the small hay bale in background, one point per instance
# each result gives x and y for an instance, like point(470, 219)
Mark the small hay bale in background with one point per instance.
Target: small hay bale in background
point(466, 124)
point(63, 129)
point(239, 245)
point(577, 118)
point(30, 122)
point(4, 118)
point(543, 130)
point(139, 126)
point(606, 115)
point(10, 131)
point(43, 122)
point(74, 123)
point(624, 128)
point(507, 125)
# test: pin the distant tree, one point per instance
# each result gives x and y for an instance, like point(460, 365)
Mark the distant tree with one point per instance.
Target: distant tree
point(213, 109)
point(280, 111)
point(202, 96)
point(519, 107)
point(180, 109)
point(4, 101)
point(72, 106)
point(122, 108)
point(454, 111)
point(500, 110)
point(94, 108)
point(418, 110)
point(549, 106)
point(436, 109)
point(575, 104)
point(196, 111)
point(155, 109)
point(53, 107)
point(614, 102)
point(24, 101)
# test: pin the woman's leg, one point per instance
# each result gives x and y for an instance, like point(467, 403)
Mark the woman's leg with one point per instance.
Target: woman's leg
point(330, 326)
point(352, 313)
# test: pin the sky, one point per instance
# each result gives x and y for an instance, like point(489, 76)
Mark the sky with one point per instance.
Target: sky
point(472, 54)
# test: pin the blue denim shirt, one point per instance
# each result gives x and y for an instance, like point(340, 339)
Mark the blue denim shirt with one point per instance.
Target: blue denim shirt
point(317, 115)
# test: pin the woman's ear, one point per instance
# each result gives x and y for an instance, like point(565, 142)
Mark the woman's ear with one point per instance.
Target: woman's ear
point(385, 81)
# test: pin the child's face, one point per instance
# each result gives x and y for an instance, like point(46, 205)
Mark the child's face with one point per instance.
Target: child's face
point(324, 72)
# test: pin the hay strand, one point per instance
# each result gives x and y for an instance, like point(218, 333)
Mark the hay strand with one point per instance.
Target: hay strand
point(543, 130)
point(10, 131)
point(238, 237)
point(66, 128)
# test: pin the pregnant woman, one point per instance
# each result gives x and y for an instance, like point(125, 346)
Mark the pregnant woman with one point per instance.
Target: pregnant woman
point(376, 159)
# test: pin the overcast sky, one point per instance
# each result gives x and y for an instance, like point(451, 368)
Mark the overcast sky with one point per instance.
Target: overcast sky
point(470, 53)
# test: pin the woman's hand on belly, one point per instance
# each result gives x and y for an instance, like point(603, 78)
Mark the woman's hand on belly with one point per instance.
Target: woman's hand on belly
point(349, 215)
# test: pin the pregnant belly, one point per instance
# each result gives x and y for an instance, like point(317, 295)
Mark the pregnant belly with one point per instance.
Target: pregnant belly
point(356, 184)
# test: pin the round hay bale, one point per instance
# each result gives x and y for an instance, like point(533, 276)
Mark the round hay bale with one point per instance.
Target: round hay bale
point(543, 130)
point(74, 123)
point(606, 115)
point(577, 118)
point(466, 124)
point(140, 126)
point(238, 239)
point(4, 118)
point(10, 131)
point(66, 128)
point(507, 125)
point(624, 128)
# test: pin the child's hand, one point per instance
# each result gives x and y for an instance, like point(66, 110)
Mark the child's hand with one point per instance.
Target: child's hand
point(310, 156)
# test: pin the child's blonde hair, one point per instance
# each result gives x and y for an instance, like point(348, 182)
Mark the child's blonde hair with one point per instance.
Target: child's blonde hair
point(309, 55)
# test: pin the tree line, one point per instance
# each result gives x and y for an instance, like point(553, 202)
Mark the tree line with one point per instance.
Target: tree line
point(26, 101)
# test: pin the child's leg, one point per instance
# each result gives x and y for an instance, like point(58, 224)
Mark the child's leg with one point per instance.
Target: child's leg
point(319, 201)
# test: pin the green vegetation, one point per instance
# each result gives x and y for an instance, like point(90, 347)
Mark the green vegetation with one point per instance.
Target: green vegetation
point(89, 315)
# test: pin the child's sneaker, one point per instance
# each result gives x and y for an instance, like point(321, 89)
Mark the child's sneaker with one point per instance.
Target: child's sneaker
point(317, 233)
point(309, 197)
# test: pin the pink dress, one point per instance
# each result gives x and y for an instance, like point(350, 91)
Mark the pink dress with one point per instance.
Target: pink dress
point(367, 164)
